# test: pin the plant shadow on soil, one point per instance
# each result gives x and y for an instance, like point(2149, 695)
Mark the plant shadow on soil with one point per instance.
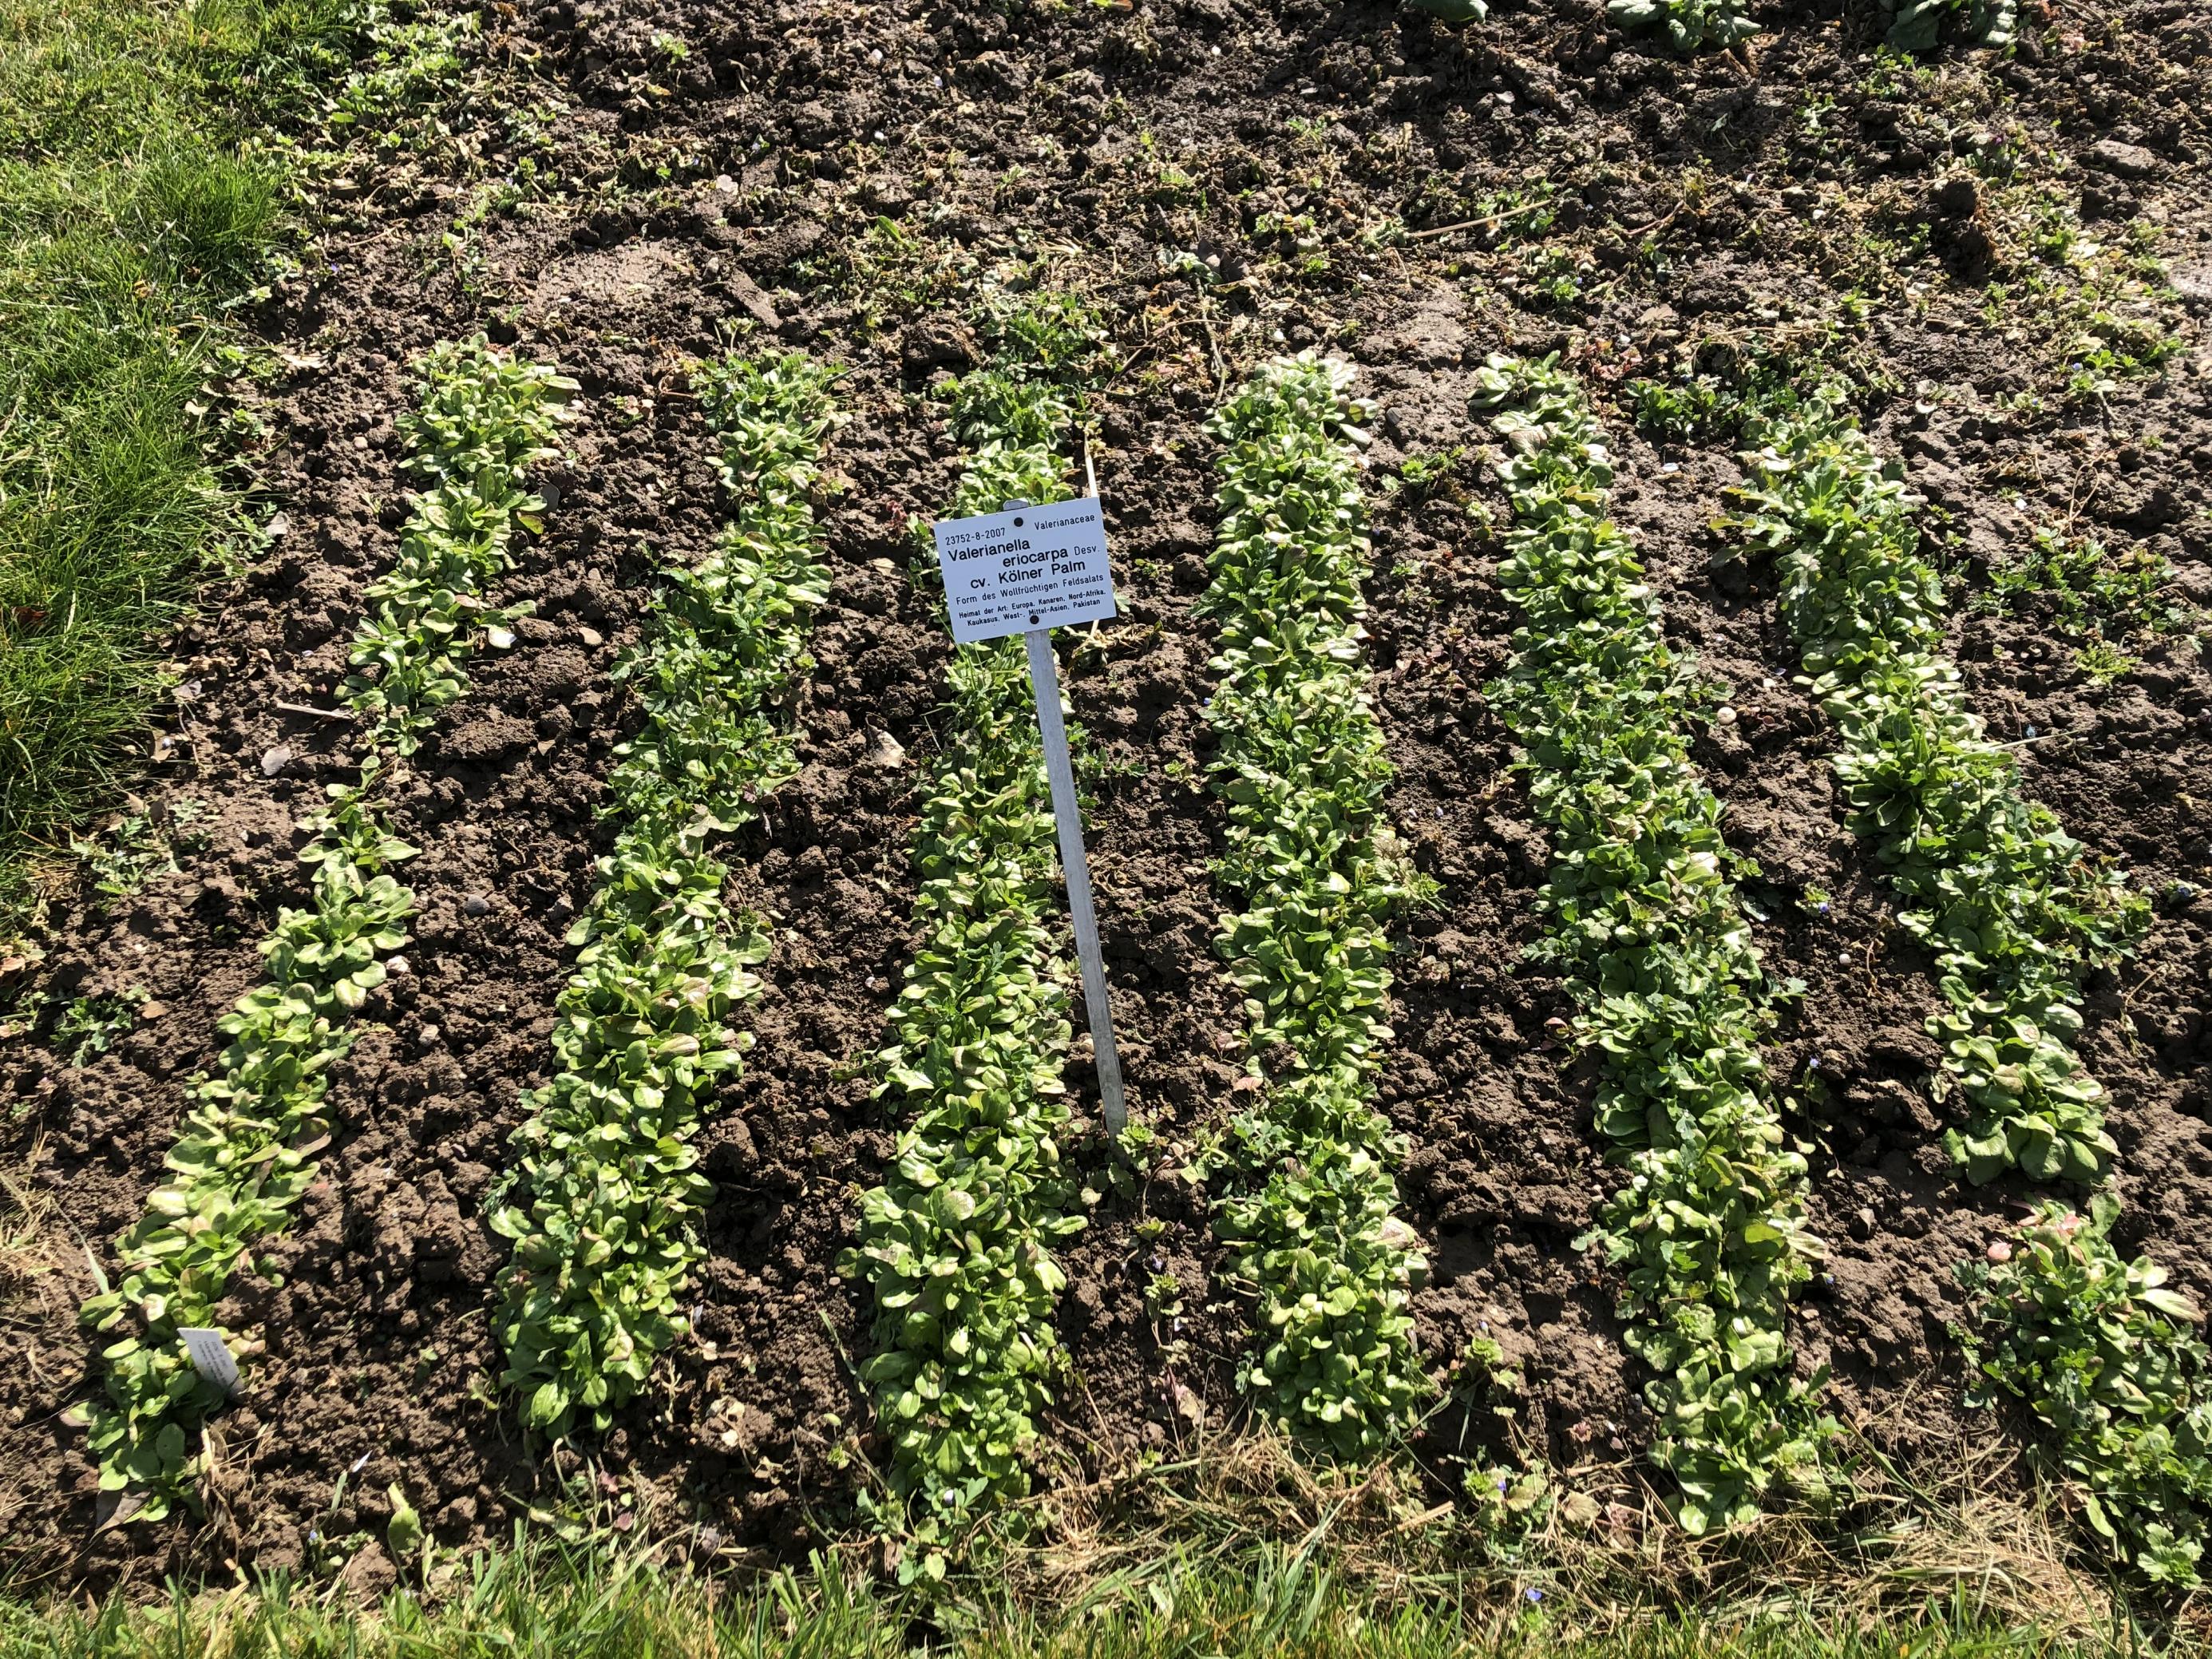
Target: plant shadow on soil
point(377, 1345)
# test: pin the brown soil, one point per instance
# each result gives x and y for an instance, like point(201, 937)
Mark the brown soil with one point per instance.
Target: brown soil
point(736, 185)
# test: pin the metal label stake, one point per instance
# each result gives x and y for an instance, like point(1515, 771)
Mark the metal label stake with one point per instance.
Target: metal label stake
point(1075, 865)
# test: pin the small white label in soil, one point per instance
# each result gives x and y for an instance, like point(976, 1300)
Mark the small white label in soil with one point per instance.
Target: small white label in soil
point(211, 1357)
point(1034, 566)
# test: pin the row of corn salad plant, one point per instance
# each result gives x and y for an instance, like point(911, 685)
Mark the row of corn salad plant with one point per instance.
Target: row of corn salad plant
point(484, 417)
point(246, 1152)
point(2011, 906)
point(604, 1197)
point(1645, 926)
point(1313, 1234)
point(2095, 1345)
point(957, 1242)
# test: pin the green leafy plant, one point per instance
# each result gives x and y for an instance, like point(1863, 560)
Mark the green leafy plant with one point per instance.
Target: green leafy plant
point(247, 1152)
point(1916, 24)
point(1042, 334)
point(1693, 407)
point(2086, 590)
point(89, 1026)
point(2102, 662)
point(1313, 1236)
point(2087, 314)
point(2014, 913)
point(139, 849)
point(604, 1197)
point(1519, 212)
point(1421, 476)
point(1553, 275)
point(2012, 909)
point(245, 1156)
point(1689, 23)
point(487, 416)
point(1452, 11)
point(2109, 347)
point(409, 66)
point(2110, 1364)
point(1722, 383)
point(956, 1244)
point(22, 1006)
point(1647, 930)
point(1510, 1503)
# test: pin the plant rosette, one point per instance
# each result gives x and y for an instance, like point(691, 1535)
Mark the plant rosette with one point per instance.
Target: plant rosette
point(1689, 24)
point(2109, 1361)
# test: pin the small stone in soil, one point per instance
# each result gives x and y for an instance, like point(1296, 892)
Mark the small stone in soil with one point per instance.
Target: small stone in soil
point(427, 1037)
point(476, 904)
point(275, 760)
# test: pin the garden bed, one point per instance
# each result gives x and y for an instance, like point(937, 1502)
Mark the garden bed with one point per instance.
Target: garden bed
point(1211, 182)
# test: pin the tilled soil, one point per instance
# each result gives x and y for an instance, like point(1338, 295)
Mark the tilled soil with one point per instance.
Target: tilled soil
point(1222, 183)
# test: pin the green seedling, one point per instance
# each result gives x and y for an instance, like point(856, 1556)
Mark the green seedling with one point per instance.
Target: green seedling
point(1421, 476)
point(2086, 590)
point(89, 1026)
point(409, 66)
point(1689, 24)
point(1915, 24)
point(139, 850)
point(2102, 662)
point(1693, 408)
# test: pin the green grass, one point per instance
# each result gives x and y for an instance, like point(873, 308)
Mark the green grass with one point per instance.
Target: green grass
point(578, 1603)
point(136, 208)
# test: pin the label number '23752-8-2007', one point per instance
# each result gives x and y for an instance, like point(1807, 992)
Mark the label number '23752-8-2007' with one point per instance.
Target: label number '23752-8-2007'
point(1031, 567)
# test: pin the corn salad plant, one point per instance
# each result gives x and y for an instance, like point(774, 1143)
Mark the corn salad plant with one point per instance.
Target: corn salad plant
point(2013, 910)
point(486, 417)
point(1646, 927)
point(1916, 25)
point(1689, 23)
point(2109, 1362)
point(2014, 913)
point(603, 1198)
point(957, 1242)
point(1313, 1235)
point(247, 1149)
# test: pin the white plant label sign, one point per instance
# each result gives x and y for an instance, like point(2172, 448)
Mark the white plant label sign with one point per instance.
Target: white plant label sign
point(1026, 569)
point(210, 1357)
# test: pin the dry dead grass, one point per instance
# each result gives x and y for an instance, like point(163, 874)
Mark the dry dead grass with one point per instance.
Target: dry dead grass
point(1971, 1530)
